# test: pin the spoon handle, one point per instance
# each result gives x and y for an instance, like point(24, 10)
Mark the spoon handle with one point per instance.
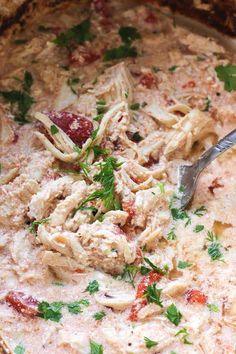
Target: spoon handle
point(224, 144)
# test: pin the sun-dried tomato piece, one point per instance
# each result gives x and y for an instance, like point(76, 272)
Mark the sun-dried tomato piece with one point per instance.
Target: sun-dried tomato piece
point(82, 56)
point(151, 18)
point(215, 184)
point(129, 208)
point(140, 302)
point(26, 305)
point(77, 127)
point(148, 80)
point(196, 296)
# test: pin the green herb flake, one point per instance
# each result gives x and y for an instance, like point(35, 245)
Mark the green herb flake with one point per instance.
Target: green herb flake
point(129, 34)
point(149, 343)
point(33, 226)
point(20, 41)
point(135, 106)
point(178, 214)
point(162, 271)
point(184, 336)
point(93, 287)
point(95, 348)
point(123, 51)
point(198, 228)
point(207, 104)
point(98, 316)
point(136, 137)
point(200, 211)
point(50, 311)
point(214, 248)
point(75, 35)
point(173, 68)
point(129, 273)
point(53, 129)
point(184, 265)
point(71, 82)
point(173, 314)
point(227, 74)
point(155, 69)
point(19, 349)
point(213, 307)
point(171, 236)
point(153, 295)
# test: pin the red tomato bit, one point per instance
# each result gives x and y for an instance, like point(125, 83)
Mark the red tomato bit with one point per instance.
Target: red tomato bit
point(26, 305)
point(196, 296)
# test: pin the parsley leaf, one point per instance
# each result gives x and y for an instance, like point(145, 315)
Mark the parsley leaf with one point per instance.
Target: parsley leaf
point(136, 137)
point(128, 34)
point(107, 179)
point(50, 311)
point(178, 214)
point(71, 82)
point(173, 68)
point(19, 349)
point(33, 226)
point(200, 211)
point(173, 314)
point(184, 337)
point(213, 307)
point(129, 273)
point(171, 234)
point(93, 287)
point(214, 248)
point(99, 315)
point(159, 270)
point(207, 104)
point(135, 106)
point(123, 51)
point(21, 101)
point(198, 228)
point(183, 265)
point(161, 186)
point(149, 343)
point(227, 74)
point(95, 348)
point(54, 130)
point(77, 34)
point(153, 295)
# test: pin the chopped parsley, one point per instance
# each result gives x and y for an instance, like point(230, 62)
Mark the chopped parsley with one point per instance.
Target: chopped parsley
point(183, 265)
point(171, 234)
point(99, 315)
point(20, 100)
point(135, 106)
point(129, 34)
point(184, 336)
point(129, 273)
point(149, 343)
point(50, 311)
point(53, 129)
point(200, 211)
point(93, 287)
point(72, 82)
point(75, 35)
point(74, 307)
point(178, 214)
point(214, 248)
point(34, 225)
point(198, 228)
point(155, 69)
point(207, 104)
point(159, 270)
point(123, 51)
point(173, 314)
point(20, 41)
point(95, 348)
point(173, 68)
point(107, 179)
point(19, 349)
point(213, 307)
point(227, 74)
point(153, 295)
point(136, 137)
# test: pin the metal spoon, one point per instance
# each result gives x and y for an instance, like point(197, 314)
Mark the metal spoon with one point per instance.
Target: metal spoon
point(188, 175)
